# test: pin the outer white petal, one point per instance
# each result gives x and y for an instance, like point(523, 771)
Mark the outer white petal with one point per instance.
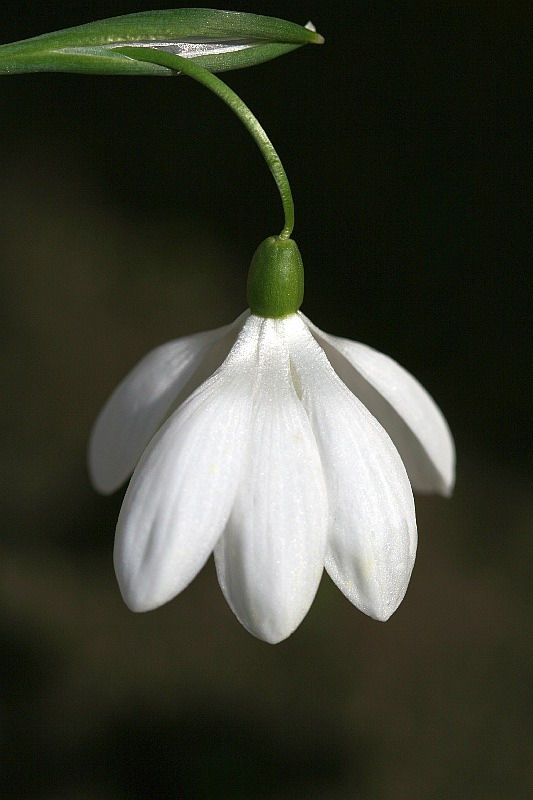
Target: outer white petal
point(181, 493)
point(401, 404)
point(372, 537)
point(144, 399)
point(271, 555)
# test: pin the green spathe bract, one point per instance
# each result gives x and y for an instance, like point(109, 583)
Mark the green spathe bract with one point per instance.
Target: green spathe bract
point(244, 39)
point(276, 278)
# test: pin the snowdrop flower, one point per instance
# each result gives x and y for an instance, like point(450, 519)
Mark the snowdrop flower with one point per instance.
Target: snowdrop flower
point(278, 447)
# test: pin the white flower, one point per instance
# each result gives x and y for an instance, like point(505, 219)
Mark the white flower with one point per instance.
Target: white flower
point(280, 448)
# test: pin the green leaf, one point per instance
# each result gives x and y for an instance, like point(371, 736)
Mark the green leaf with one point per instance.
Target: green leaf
point(217, 40)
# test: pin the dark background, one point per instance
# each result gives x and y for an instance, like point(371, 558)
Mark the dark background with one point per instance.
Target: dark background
point(130, 208)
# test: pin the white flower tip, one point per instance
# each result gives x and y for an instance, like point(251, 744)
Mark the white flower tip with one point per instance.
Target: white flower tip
point(448, 487)
point(447, 462)
point(376, 590)
point(438, 477)
point(279, 624)
point(136, 594)
point(382, 608)
point(100, 480)
point(385, 609)
point(270, 635)
point(97, 460)
point(143, 592)
point(380, 604)
point(135, 603)
point(270, 613)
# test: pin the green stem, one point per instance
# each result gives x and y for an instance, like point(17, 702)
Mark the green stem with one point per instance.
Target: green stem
point(218, 87)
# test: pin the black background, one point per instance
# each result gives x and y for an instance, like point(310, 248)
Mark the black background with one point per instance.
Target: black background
point(130, 210)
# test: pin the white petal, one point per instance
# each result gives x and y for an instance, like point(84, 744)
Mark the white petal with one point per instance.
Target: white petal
point(372, 537)
point(144, 399)
point(404, 408)
point(182, 491)
point(271, 555)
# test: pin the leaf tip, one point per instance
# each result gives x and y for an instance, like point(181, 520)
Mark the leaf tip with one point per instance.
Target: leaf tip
point(317, 38)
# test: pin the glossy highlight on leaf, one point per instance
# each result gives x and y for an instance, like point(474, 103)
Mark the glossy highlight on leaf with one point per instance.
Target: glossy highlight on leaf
point(216, 40)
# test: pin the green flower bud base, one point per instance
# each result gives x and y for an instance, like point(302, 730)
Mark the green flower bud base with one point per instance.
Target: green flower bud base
point(276, 278)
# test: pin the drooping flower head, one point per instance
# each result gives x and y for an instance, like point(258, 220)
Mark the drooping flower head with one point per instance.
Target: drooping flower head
point(268, 442)
point(278, 447)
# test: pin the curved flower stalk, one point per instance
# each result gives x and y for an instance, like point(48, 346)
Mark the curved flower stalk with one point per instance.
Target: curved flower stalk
point(281, 449)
